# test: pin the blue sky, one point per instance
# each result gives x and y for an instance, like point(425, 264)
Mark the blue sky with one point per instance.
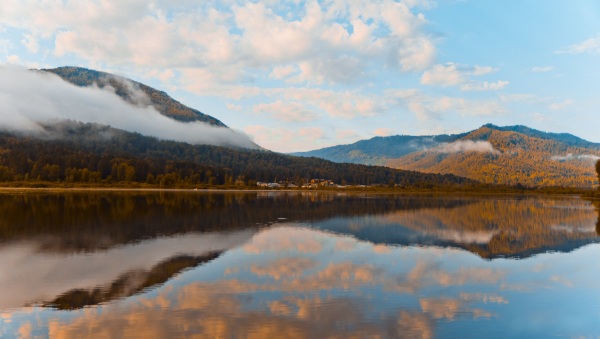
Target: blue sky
point(301, 75)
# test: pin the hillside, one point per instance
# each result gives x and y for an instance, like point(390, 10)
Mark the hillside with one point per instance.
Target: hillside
point(530, 158)
point(128, 90)
point(523, 155)
point(379, 150)
point(96, 154)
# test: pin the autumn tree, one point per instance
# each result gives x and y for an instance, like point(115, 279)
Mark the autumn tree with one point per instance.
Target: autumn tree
point(598, 169)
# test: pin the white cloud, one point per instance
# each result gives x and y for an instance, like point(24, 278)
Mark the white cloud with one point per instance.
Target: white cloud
point(443, 75)
point(13, 59)
point(453, 74)
point(287, 140)
point(542, 69)
point(334, 41)
point(557, 106)
point(282, 72)
point(31, 43)
point(464, 146)
point(591, 45)
point(571, 156)
point(483, 70)
point(427, 108)
point(286, 111)
point(383, 132)
point(29, 98)
point(484, 86)
point(347, 104)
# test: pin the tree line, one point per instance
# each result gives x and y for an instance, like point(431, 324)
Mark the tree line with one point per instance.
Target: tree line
point(89, 153)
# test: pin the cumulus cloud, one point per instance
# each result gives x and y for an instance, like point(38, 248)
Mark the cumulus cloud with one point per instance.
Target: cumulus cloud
point(286, 111)
point(571, 157)
point(31, 98)
point(347, 104)
point(591, 45)
point(443, 75)
point(287, 140)
point(464, 146)
point(427, 108)
point(557, 106)
point(452, 74)
point(332, 41)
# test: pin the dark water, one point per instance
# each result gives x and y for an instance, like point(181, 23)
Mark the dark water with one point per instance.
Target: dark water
point(297, 265)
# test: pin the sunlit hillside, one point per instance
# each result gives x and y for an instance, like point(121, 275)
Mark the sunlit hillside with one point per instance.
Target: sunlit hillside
point(515, 158)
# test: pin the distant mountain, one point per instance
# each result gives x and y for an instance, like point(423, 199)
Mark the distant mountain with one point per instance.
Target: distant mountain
point(129, 90)
point(490, 154)
point(379, 150)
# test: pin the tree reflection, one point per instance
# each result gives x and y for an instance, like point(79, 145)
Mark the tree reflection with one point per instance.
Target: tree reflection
point(74, 222)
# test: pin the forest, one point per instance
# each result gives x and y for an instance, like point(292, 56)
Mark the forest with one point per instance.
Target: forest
point(91, 154)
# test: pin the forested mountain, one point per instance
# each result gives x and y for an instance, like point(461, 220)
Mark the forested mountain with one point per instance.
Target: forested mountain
point(514, 157)
point(379, 150)
point(91, 153)
point(515, 154)
point(129, 90)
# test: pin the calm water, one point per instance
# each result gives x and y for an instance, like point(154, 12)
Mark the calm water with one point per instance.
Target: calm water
point(301, 265)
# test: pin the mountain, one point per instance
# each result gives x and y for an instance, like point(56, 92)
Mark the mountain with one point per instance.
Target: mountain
point(379, 150)
point(74, 151)
point(512, 158)
point(130, 91)
point(96, 154)
point(491, 154)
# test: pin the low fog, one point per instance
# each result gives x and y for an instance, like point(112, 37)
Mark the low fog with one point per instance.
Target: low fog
point(31, 98)
point(463, 146)
point(570, 156)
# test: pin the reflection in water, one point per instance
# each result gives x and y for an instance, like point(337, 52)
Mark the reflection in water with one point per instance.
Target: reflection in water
point(31, 277)
point(338, 266)
point(489, 227)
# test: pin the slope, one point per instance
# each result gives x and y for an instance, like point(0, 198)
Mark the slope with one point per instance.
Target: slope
point(101, 154)
point(531, 158)
point(379, 150)
point(130, 91)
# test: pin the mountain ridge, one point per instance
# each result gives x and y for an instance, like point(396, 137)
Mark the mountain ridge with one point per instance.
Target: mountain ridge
point(506, 155)
point(125, 88)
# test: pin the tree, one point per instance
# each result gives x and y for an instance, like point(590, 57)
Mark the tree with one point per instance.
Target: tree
point(598, 169)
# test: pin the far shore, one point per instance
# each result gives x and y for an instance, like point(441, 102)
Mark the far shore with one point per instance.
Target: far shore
point(367, 190)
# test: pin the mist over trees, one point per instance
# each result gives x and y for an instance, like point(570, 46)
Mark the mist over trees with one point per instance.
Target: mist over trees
point(95, 154)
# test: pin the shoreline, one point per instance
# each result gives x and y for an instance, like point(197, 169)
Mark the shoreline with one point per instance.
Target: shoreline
point(366, 191)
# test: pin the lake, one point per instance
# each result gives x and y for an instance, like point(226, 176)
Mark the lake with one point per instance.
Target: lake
point(297, 265)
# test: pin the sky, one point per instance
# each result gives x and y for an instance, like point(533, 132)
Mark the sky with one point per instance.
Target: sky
point(302, 75)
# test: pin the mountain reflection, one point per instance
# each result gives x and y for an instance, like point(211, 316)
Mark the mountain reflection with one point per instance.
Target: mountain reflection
point(489, 227)
point(129, 283)
point(319, 284)
point(296, 265)
point(117, 230)
point(90, 221)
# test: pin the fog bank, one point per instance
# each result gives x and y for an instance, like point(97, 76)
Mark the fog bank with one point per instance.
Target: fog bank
point(31, 98)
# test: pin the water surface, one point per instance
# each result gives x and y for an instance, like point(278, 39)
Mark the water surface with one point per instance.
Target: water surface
point(299, 265)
